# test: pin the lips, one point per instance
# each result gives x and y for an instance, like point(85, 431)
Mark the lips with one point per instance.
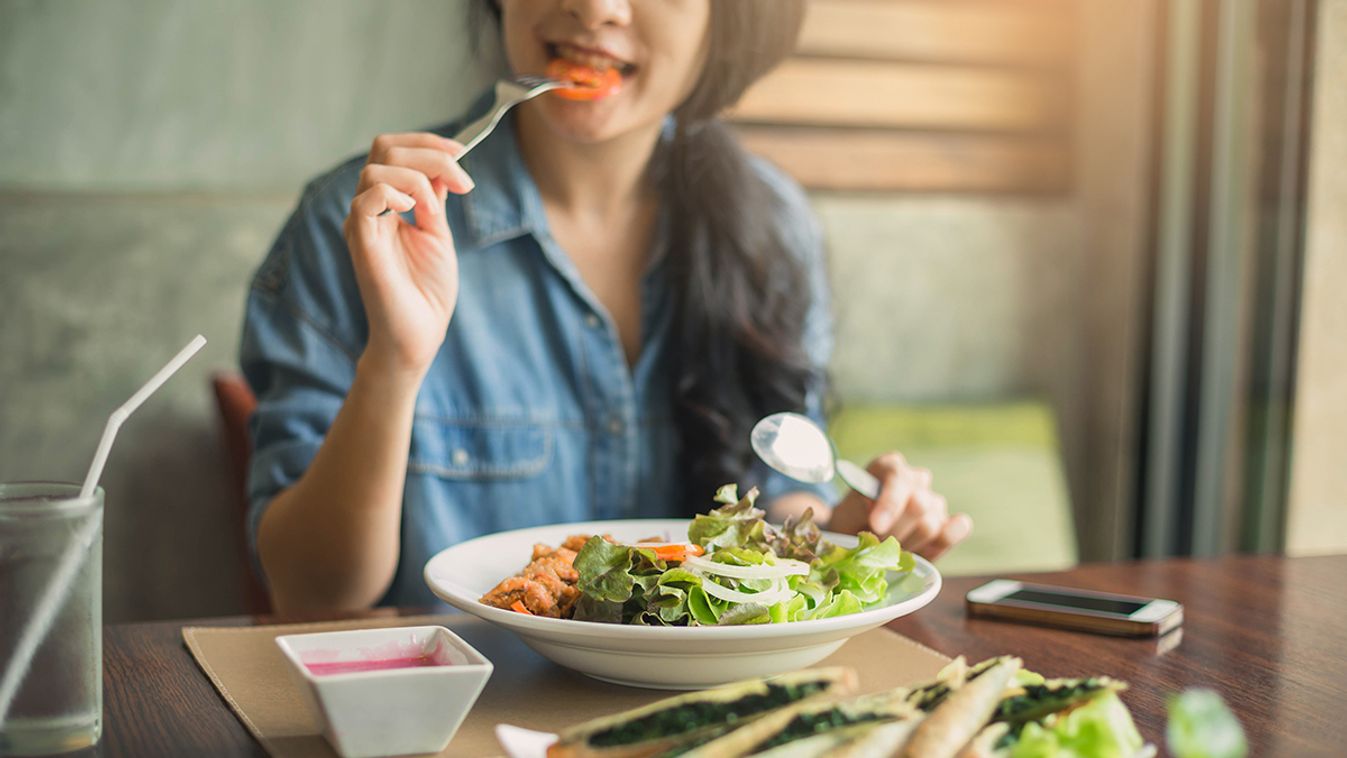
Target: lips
point(597, 59)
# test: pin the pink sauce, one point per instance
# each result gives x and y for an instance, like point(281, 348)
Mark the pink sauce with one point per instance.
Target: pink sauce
point(380, 664)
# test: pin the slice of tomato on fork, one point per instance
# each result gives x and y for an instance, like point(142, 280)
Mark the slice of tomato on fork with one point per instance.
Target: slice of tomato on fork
point(590, 83)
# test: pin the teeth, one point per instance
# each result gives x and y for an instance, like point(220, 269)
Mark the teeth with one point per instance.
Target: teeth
point(585, 58)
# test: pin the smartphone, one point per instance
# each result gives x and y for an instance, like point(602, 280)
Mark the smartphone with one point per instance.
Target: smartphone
point(1085, 610)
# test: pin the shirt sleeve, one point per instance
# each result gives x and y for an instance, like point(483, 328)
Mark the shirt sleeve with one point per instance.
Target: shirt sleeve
point(806, 239)
point(303, 330)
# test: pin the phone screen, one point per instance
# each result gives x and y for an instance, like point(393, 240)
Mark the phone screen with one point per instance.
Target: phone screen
point(1085, 603)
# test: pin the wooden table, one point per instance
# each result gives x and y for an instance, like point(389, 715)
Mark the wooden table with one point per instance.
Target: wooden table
point(1267, 633)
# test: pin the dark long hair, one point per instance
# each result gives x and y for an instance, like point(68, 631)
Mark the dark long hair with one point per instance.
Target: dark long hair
point(741, 291)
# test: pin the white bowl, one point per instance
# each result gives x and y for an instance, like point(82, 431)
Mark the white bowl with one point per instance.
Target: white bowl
point(392, 711)
point(682, 658)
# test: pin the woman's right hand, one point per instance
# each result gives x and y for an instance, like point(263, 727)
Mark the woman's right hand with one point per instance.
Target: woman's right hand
point(407, 272)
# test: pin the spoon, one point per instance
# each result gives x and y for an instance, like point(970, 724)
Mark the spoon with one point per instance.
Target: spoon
point(795, 446)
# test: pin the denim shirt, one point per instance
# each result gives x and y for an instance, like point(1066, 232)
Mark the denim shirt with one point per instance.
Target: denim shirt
point(530, 413)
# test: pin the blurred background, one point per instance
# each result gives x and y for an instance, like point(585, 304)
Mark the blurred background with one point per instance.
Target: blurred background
point(1087, 256)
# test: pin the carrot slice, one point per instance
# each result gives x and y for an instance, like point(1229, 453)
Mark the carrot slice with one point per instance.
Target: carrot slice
point(672, 551)
point(518, 605)
point(591, 83)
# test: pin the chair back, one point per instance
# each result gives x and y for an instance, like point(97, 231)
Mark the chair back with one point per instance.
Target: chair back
point(235, 402)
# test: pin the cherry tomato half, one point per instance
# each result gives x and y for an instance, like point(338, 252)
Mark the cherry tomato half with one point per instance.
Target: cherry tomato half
point(593, 83)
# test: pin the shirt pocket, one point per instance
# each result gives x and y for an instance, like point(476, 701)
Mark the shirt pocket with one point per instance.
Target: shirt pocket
point(481, 448)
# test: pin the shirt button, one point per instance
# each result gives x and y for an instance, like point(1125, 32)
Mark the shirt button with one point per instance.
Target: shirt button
point(460, 456)
point(615, 425)
point(592, 321)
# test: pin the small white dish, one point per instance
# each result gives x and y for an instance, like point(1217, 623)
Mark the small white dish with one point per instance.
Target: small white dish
point(387, 691)
point(677, 658)
point(518, 742)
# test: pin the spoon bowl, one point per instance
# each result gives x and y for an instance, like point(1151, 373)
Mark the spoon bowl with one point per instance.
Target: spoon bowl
point(794, 445)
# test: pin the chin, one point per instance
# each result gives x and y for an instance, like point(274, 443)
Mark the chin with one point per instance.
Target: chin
point(585, 122)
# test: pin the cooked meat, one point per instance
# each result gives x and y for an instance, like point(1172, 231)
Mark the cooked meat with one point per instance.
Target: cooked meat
point(546, 586)
point(574, 542)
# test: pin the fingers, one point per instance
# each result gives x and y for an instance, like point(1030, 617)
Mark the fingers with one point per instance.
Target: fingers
point(421, 165)
point(378, 151)
point(906, 508)
point(893, 492)
point(429, 208)
point(375, 200)
point(437, 164)
point(954, 531)
point(931, 512)
point(893, 511)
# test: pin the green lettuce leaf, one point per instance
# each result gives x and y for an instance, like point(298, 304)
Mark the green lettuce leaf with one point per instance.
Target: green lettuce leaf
point(670, 604)
point(703, 608)
point(1102, 728)
point(863, 570)
point(605, 570)
point(840, 603)
point(736, 524)
point(680, 576)
point(604, 611)
point(745, 613)
point(1201, 726)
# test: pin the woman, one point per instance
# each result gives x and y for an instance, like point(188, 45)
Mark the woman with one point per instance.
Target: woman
point(588, 331)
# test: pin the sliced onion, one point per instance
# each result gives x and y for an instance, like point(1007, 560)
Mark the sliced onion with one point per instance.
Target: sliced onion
point(735, 596)
point(782, 568)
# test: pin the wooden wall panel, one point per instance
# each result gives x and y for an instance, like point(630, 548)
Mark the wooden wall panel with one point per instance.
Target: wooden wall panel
point(922, 95)
point(875, 160)
point(1004, 32)
point(901, 95)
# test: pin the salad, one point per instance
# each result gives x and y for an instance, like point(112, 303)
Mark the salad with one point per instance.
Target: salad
point(735, 568)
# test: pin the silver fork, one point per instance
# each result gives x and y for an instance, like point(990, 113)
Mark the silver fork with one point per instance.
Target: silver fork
point(509, 93)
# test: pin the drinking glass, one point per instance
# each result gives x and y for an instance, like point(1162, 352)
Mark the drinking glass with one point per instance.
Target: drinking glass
point(58, 706)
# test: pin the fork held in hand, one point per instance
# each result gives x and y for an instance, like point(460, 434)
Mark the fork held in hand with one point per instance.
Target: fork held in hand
point(509, 93)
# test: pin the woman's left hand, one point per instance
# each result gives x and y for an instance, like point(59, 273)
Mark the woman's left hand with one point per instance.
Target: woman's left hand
point(906, 508)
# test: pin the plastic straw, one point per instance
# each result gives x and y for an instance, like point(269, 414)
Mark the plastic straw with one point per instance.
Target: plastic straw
point(39, 624)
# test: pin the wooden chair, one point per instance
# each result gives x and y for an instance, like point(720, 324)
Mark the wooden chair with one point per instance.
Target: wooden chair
point(235, 403)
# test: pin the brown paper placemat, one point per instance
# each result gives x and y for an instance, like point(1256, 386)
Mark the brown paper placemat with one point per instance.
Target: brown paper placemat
point(525, 689)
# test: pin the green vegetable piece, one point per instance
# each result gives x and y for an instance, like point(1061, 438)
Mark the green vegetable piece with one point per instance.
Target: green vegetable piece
point(739, 556)
point(680, 576)
point(1201, 726)
point(605, 570)
point(863, 569)
point(735, 524)
point(841, 603)
point(589, 609)
point(746, 613)
point(703, 608)
point(1101, 727)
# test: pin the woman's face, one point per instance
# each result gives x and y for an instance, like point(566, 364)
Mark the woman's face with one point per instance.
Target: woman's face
point(657, 48)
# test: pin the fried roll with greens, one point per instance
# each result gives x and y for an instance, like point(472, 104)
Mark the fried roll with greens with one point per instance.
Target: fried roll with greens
point(962, 714)
point(665, 725)
point(782, 729)
point(1041, 718)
